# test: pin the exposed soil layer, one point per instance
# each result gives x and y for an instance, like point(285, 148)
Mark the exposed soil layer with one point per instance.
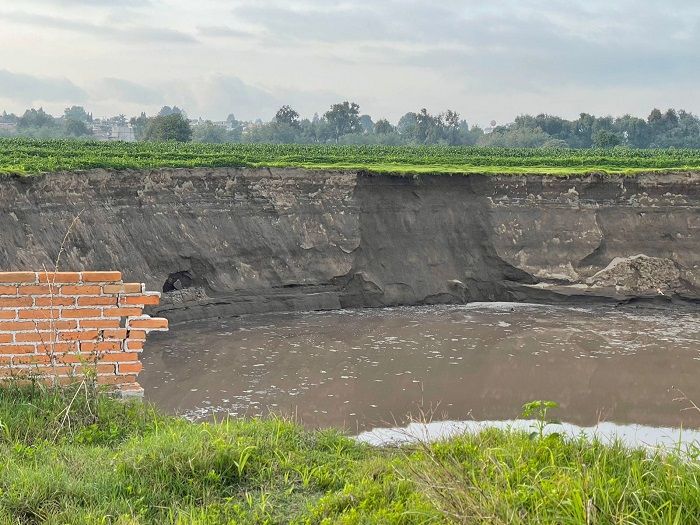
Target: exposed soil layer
point(234, 241)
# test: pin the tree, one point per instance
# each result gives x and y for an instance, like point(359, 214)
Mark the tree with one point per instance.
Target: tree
point(407, 125)
point(605, 139)
point(515, 137)
point(469, 136)
point(36, 118)
point(169, 127)
point(582, 131)
point(139, 124)
point(634, 131)
point(429, 128)
point(344, 118)
point(77, 128)
point(210, 133)
point(9, 118)
point(451, 119)
point(76, 113)
point(119, 120)
point(167, 111)
point(556, 144)
point(366, 123)
point(286, 115)
point(383, 127)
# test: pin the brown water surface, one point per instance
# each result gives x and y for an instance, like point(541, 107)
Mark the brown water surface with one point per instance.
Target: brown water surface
point(361, 369)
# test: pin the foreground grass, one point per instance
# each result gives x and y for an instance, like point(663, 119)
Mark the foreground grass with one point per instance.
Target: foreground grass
point(28, 156)
point(125, 463)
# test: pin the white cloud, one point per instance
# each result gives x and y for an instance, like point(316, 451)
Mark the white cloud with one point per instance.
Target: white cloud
point(486, 59)
point(30, 89)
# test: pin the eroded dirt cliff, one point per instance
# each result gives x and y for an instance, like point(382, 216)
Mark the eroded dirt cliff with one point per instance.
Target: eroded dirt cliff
point(234, 241)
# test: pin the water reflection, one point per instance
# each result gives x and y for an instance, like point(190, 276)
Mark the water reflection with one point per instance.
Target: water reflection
point(631, 435)
point(370, 368)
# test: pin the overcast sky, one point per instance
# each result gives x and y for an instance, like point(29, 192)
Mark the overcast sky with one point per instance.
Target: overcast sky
point(486, 59)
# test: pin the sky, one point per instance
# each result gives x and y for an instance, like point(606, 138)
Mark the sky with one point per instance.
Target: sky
point(488, 60)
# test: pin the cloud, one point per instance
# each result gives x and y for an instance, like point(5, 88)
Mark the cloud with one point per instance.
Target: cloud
point(126, 35)
point(222, 32)
point(248, 57)
point(502, 46)
point(29, 89)
point(97, 3)
point(218, 95)
point(125, 91)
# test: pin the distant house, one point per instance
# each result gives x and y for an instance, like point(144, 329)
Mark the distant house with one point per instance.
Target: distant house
point(8, 128)
point(124, 133)
point(108, 131)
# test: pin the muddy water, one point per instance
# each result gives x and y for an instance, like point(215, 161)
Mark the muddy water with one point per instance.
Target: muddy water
point(361, 369)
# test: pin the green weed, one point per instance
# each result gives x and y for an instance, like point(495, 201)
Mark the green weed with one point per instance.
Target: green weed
point(132, 465)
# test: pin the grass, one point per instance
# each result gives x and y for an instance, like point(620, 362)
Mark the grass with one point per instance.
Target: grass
point(125, 463)
point(28, 156)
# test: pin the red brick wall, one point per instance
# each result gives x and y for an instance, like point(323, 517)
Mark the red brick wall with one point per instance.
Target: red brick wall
point(58, 326)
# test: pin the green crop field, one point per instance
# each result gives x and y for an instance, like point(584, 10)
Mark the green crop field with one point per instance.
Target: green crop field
point(26, 156)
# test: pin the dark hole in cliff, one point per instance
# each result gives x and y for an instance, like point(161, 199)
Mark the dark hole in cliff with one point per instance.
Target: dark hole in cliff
point(177, 281)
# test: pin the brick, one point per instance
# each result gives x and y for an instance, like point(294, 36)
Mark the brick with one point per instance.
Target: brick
point(120, 357)
point(81, 290)
point(16, 326)
point(34, 359)
point(109, 346)
point(107, 368)
point(54, 301)
point(97, 301)
point(70, 358)
point(103, 346)
point(122, 312)
point(56, 325)
point(89, 335)
point(41, 289)
point(150, 300)
point(15, 302)
point(39, 314)
point(56, 348)
point(34, 337)
point(55, 370)
point(119, 333)
point(59, 277)
point(76, 319)
point(99, 323)
point(94, 277)
point(149, 324)
point(18, 349)
point(79, 313)
point(118, 380)
point(17, 277)
point(68, 380)
point(134, 345)
point(138, 335)
point(130, 368)
point(126, 288)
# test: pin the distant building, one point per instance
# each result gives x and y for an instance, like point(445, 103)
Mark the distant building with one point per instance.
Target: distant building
point(108, 131)
point(124, 133)
point(7, 128)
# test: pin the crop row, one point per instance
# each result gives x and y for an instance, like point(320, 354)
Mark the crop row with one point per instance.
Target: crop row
point(27, 156)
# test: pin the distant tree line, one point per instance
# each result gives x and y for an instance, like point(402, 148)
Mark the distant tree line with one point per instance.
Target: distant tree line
point(344, 123)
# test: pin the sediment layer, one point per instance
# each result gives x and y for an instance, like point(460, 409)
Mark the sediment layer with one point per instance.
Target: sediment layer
point(235, 241)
